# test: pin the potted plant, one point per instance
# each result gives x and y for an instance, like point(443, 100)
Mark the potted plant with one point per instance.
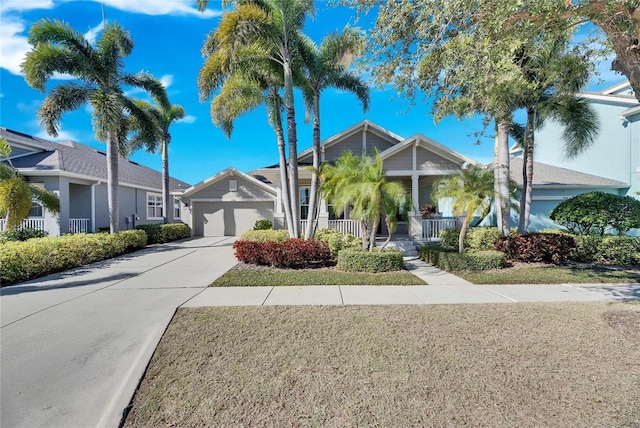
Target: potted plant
point(428, 210)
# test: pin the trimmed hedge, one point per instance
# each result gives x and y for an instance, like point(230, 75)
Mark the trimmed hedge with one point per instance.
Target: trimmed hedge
point(21, 234)
point(451, 260)
point(337, 240)
point(23, 260)
point(161, 233)
point(607, 250)
point(263, 225)
point(477, 238)
point(290, 254)
point(279, 235)
point(537, 247)
point(353, 260)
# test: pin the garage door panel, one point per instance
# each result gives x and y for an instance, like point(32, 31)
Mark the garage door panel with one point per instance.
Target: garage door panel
point(229, 218)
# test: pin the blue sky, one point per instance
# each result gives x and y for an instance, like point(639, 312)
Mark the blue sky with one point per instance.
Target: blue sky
point(168, 36)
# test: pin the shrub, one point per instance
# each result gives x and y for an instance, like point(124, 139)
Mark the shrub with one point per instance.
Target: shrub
point(161, 233)
point(280, 235)
point(20, 261)
point(608, 250)
point(292, 253)
point(451, 260)
point(353, 260)
point(537, 247)
point(338, 241)
point(263, 225)
point(21, 234)
point(477, 238)
point(597, 211)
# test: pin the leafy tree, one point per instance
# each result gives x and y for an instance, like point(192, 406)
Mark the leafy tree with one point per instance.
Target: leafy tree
point(598, 211)
point(163, 114)
point(471, 190)
point(360, 183)
point(326, 66)
point(272, 28)
point(57, 47)
point(17, 195)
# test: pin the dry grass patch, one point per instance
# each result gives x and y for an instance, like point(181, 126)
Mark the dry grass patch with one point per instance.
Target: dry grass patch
point(439, 365)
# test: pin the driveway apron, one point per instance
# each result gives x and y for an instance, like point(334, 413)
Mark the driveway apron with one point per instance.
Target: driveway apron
point(74, 345)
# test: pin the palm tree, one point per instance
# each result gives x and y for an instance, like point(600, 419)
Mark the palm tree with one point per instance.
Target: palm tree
point(324, 67)
point(471, 190)
point(17, 195)
point(56, 47)
point(554, 76)
point(360, 183)
point(273, 29)
point(163, 115)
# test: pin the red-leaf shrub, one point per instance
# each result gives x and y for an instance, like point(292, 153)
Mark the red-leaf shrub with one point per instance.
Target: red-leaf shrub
point(292, 253)
point(536, 247)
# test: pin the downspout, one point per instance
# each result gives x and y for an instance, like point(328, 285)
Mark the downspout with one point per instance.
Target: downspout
point(93, 205)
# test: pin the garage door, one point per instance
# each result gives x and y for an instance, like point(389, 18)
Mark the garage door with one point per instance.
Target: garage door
point(228, 218)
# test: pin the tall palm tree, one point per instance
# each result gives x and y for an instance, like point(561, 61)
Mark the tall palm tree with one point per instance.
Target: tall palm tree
point(359, 182)
point(554, 76)
point(273, 29)
point(57, 47)
point(17, 195)
point(163, 114)
point(324, 67)
point(472, 191)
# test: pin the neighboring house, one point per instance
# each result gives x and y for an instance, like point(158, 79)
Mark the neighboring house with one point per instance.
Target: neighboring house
point(77, 174)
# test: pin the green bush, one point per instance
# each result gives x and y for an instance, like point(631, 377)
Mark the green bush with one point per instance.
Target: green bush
point(161, 233)
point(21, 234)
point(451, 260)
point(608, 250)
point(353, 260)
point(279, 235)
point(477, 238)
point(23, 260)
point(338, 241)
point(263, 225)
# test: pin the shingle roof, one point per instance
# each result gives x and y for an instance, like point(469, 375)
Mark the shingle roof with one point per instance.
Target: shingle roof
point(77, 158)
point(548, 175)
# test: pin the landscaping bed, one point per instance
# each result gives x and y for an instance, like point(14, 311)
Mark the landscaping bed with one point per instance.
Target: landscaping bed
point(569, 364)
point(244, 274)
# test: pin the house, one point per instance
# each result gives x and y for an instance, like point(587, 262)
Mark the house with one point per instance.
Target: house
point(77, 174)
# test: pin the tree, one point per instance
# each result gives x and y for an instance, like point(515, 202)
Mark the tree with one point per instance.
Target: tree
point(326, 66)
point(17, 195)
point(272, 28)
point(360, 183)
point(554, 76)
point(56, 47)
point(471, 190)
point(163, 114)
point(598, 211)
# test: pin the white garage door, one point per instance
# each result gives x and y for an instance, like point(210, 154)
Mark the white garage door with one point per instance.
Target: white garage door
point(228, 218)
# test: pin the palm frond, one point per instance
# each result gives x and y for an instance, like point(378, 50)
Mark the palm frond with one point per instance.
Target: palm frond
point(61, 99)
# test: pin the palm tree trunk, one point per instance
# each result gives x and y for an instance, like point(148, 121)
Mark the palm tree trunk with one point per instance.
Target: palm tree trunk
point(527, 172)
point(112, 180)
point(166, 198)
point(374, 231)
point(501, 174)
point(313, 197)
point(284, 179)
point(463, 232)
point(389, 226)
point(293, 147)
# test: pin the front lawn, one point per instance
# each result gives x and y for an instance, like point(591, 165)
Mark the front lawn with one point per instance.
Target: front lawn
point(536, 364)
point(250, 275)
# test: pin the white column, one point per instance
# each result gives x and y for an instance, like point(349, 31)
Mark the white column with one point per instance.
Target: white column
point(415, 224)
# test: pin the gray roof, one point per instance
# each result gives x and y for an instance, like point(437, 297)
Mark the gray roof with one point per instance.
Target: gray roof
point(76, 158)
point(549, 175)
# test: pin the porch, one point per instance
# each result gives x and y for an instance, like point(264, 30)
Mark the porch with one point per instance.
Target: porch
point(76, 225)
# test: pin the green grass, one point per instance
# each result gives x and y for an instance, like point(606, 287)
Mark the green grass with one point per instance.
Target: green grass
point(550, 274)
point(500, 365)
point(261, 276)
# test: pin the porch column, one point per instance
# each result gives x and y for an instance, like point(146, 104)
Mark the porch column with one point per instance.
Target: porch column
point(323, 214)
point(415, 218)
point(278, 214)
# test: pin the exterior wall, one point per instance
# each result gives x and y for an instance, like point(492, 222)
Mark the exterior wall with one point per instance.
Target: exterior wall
point(429, 162)
point(220, 190)
point(79, 201)
point(403, 160)
point(51, 221)
point(228, 218)
point(352, 143)
point(374, 141)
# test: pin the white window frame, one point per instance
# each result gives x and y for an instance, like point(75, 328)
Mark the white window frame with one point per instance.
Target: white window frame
point(233, 185)
point(34, 202)
point(176, 208)
point(154, 202)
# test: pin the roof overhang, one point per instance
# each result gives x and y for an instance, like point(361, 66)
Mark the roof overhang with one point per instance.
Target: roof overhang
point(30, 172)
point(432, 146)
point(229, 172)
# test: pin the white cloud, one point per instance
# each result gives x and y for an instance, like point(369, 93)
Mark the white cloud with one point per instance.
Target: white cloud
point(14, 45)
point(161, 7)
point(187, 119)
point(92, 34)
point(28, 107)
point(25, 5)
point(166, 80)
point(62, 136)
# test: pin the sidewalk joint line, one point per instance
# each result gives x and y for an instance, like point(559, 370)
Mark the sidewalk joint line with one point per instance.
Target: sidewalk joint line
point(268, 294)
point(499, 294)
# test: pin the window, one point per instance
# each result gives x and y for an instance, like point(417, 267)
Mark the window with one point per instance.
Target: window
point(304, 202)
point(37, 210)
point(233, 185)
point(154, 206)
point(176, 208)
point(334, 216)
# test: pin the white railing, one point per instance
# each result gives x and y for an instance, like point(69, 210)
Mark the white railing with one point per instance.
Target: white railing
point(431, 227)
point(30, 223)
point(79, 225)
point(346, 226)
point(303, 226)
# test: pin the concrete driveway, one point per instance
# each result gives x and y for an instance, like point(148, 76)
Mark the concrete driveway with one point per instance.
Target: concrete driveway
point(75, 345)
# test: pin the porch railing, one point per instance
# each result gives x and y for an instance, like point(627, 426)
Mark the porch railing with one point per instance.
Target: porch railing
point(79, 225)
point(431, 227)
point(30, 223)
point(303, 226)
point(346, 226)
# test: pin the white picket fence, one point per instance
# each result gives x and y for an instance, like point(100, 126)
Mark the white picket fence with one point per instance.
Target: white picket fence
point(79, 225)
point(346, 226)
point(431, 227)
point(30, 223)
